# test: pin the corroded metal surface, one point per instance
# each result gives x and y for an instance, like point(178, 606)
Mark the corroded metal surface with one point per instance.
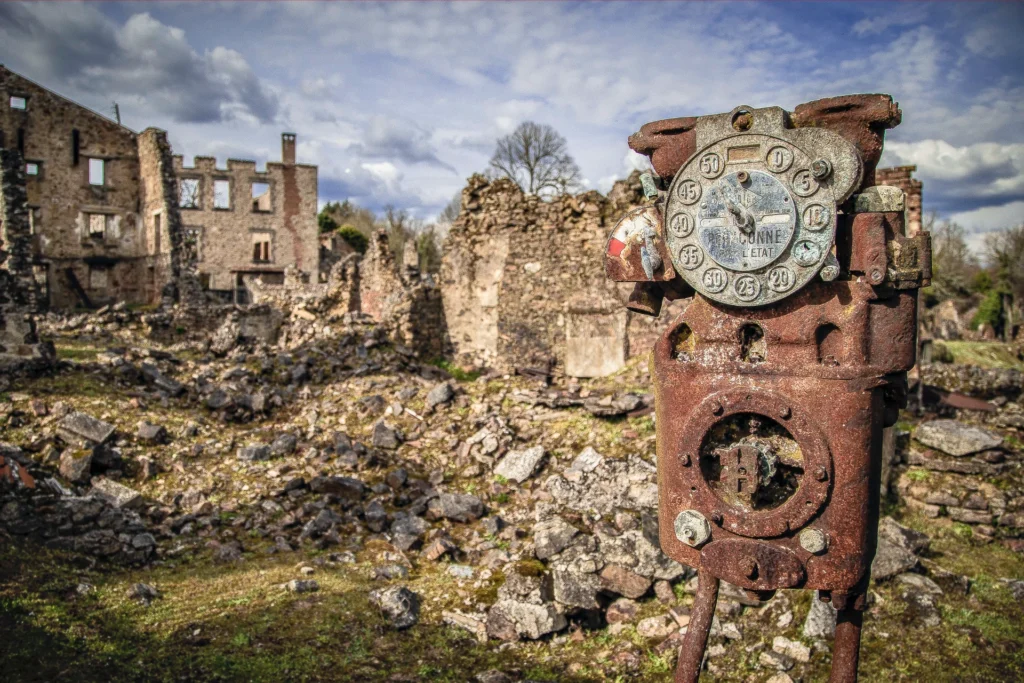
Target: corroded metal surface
point(770, 408)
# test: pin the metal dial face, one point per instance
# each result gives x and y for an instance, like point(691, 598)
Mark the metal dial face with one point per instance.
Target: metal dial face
point(748, 224)
point(745, 225)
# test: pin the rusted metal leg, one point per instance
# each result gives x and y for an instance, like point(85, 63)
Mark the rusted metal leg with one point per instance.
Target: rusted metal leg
point(846, 650)
point(691, 654)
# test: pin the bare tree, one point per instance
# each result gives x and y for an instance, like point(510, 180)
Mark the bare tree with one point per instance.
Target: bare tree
point(953, 264)
point(451, 210)
point(535, 157)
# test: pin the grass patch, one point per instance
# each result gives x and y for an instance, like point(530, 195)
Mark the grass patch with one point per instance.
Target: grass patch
point(985, 354)
point(457, 373)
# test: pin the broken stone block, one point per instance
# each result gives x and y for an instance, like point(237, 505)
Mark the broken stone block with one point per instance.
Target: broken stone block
point(84, 430)
point(143, 592)
point(576, 590)
point(587, 461)
point(890, 560)
point(956, 438)
point(821, 620)
point(518, 466)
point(475, 625)
point(509, 620)
point(399, 605)
point(347, 488)
point(551, 537)
point(118, 495)
point(794, 650)
point(656, 627)
point(621, 611)
point(618, 579)
point(76, 465)
point(906, 538)
point(375, 516)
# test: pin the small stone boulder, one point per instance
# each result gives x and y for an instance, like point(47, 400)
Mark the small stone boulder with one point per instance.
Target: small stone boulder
point(518, 466)
point(284, 444)
point(399, 606)
point(118, 495)
point(821, 620)
point(576, 590)
point(459, 507)
point(906, 538)
point(439, 395)
point(150, 433)
point(387, 437)
point(302, 586)
point(618, 579)
point(347, 488)
point(254, 453)
point(84, 430)
point(76, 465)
point(890, 560)
point(956, 438)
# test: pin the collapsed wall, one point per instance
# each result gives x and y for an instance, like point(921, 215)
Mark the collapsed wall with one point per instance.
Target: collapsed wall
point(19, 296)
point(523, 283)
point(903, 178)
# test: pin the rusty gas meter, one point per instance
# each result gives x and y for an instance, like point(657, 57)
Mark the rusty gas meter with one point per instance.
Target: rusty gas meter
point(789, 351)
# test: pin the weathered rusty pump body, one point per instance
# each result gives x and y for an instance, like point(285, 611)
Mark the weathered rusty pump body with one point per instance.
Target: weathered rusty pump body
point(774, 384)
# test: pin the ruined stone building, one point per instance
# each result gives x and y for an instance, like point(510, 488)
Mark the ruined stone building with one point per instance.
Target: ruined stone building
point(903, 178)
point(103, 205)
point(523, 284)
point(241, 223)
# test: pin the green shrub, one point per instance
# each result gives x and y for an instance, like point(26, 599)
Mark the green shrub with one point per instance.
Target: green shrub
point(326, 222)
point(990, 311)
point(355, 239)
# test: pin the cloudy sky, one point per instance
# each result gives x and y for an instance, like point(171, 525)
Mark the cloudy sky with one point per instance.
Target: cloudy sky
point(399, 103)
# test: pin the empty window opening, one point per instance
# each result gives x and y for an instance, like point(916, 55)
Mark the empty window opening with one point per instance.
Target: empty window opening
point(261, 197)
point(753, 347)
point(829, 339)
point(157, 233)
point(34, 218)
point(261, 248)
point(100, 225)
point(97, 172)
point(18, 102)
point(32, 168)
point(98, 278)
point(21, 141)
point(682, 342)
point(76, 140)
point(222, 194)
point(188, 193)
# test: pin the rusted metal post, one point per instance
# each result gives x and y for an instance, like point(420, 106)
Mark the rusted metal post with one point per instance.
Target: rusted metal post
point(802, 285)
point(691, 654)
point(846, 648)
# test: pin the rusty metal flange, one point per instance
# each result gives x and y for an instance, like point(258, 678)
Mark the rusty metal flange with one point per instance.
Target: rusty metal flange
point(815, 483)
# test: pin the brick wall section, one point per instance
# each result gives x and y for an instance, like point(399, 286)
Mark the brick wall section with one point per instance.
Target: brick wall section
point(523, 281)
point(62, 198)
point(902, 177)
point(226, 235)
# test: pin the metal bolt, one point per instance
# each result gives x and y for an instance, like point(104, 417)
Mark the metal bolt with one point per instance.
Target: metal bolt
point(692, 528)
point(821, 169)
point(821, 474)
point(877, 276)
point(716, 517)
point(650, 187)
point(785, 412)
point(813, 541)
point(830, 271)
point(743, 176)
point(685, 459)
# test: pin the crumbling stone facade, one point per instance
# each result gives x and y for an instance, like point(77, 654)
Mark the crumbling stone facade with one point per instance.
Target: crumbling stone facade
point(105, 217)
point(522, 281)
point(903, 178)
point(241, 224)
point(19, 343)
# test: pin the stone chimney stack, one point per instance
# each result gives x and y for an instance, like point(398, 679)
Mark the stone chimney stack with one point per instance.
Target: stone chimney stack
point(288, 149)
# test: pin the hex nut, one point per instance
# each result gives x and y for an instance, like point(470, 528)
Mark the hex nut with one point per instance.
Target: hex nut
point(692, 528)
point(813, 541)
point(821, 169)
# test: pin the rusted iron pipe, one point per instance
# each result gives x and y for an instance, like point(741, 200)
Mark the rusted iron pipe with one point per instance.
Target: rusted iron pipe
point(846, 650)
point(691, 653)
